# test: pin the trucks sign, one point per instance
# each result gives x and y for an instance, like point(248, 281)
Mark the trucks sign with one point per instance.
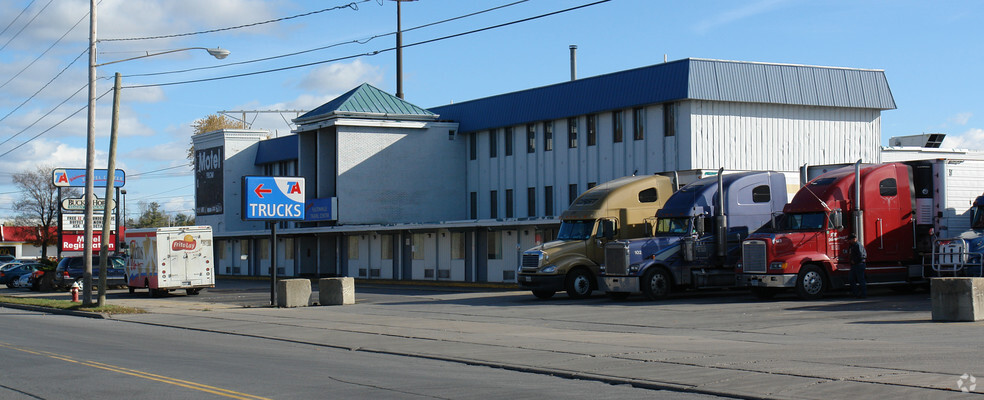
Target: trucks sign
point(267, 198)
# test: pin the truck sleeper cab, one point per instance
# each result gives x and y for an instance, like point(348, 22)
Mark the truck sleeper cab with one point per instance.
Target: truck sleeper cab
point(808, 251)
point(613, 210)
point(695, 241)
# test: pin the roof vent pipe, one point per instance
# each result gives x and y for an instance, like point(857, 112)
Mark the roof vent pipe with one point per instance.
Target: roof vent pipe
point(573, 62)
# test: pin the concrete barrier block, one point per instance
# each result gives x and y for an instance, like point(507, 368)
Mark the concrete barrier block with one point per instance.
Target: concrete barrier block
point(293, 293)
point(957, 299)
point(336, 291)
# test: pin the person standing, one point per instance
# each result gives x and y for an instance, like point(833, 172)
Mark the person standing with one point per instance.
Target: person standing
point(859, 287)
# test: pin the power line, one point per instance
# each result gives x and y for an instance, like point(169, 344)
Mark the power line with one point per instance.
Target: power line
point(353, 5)
point(158, 170)
point(46, 51)
point(372, 53)
point(356, 41)
point(16, 18)
point(42, 88)
point(55, 125)
point(42, 117)
point(25, 26)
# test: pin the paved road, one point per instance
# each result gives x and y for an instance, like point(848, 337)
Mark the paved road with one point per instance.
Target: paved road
point(713, 342)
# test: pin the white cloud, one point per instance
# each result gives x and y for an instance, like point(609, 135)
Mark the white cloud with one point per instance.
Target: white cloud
point(961, 118)
point(340, 77)
point(972, 139)
point(736, 14)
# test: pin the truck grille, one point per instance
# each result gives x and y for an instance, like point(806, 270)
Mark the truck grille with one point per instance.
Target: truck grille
point(531, 261)
point(753, 257)
point(616, 259)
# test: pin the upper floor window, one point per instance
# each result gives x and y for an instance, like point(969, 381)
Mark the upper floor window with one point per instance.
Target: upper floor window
point(509, 141)
point(572, 133)
point(530, 138)
point(548, 136)
point(472, 146)
point(592, 129)
point(493, 143)
point(669, 119)
point(638, 123)
point(617, 126)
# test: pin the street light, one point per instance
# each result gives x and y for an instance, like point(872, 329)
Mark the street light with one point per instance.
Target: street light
point(90, 155)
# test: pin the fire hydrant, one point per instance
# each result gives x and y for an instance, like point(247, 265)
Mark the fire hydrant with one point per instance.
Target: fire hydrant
point(75, 292)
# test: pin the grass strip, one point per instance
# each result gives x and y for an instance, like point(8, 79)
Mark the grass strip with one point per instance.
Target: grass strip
point(68, 305)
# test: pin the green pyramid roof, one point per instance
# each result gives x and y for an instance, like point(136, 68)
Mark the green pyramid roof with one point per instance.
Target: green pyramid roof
point(370, 101)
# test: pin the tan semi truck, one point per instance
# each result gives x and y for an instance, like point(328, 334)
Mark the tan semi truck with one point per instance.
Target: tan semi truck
point(614, 210)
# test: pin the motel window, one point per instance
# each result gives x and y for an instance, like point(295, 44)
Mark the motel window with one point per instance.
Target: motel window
point(572, 193)
point(531, 202)
point(638, 123)
point(474, 205)
point(472, 146)
point(548, 136)
point(494, 204)
point(530, 138)
point(264, 249)
point(495, 245)
point(617, 126)
point(457, 245)
point(386, 247)
point(669, 119)
point(592, 129)
point(493, 143)
point(572, 133)
point(353, 247)
point(509, 141)
point(418, 246)
point(509, 203)
point(289, 249)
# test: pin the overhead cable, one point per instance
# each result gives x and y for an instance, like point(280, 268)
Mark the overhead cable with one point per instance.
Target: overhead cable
point(25, 26)
point(353, 5)
point(369, 54)
point(46, 51)
point(53, 126)
point(45, 86)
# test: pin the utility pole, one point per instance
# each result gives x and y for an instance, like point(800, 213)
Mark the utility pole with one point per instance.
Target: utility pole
point(399, 51)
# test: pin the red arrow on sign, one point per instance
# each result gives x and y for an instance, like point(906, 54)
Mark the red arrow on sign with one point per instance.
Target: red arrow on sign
point(259, 190)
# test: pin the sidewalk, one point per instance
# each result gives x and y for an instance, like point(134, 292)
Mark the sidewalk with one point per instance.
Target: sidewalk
point(785, 350)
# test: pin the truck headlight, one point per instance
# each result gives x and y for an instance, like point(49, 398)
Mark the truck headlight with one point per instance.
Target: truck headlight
point(548, 269)
point(634, 268)
point(779, 266)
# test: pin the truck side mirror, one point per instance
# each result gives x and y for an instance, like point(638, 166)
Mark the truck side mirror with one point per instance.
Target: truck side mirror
point(699, 225)
point(606, 229)
point(837, 219)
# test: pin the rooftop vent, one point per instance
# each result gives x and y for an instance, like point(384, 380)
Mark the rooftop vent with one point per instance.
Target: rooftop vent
point(927, 140)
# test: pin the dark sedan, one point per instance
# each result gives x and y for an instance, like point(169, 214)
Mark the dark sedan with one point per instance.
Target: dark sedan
point(9, 276)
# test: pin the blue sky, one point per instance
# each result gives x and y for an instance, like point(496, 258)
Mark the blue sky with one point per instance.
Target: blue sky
point(931, 53)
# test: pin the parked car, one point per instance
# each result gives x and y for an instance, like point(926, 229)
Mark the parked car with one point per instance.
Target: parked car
point(9, 276)
point(23, 281)
point(70, 269)
point(6, 258)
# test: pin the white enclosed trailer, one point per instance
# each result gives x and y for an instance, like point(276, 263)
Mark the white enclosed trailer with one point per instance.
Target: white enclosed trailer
point(166, 259)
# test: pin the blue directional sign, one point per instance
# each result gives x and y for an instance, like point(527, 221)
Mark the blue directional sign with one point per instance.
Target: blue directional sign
point(71, 177)
point(269, 198)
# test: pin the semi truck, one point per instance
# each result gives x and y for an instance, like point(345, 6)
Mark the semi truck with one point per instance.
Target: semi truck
point(167, 259)
point(697, 236)
point(897, 210)
point(616, 209)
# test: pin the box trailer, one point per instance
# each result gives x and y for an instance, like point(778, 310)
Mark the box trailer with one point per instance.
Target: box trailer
point(166, 259)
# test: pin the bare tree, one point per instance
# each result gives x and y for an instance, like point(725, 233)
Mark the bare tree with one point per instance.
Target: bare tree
point(38, 205)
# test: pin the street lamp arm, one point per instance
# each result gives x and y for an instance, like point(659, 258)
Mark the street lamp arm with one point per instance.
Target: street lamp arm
point(217, 52)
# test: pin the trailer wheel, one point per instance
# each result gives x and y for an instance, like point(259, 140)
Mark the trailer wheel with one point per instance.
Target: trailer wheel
point(656, 283)
point(578, 283)
point(131, 288)
point(193, 292)
point(543, 294)
point(810, 283)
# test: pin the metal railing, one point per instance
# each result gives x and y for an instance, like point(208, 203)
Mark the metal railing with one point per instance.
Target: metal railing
point(950, 259)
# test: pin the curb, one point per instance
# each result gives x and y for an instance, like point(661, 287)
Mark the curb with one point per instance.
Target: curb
point(363, 281)
point(75, 313)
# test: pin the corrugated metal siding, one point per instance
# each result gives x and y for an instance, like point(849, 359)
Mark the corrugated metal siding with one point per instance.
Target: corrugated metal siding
point(781, 137)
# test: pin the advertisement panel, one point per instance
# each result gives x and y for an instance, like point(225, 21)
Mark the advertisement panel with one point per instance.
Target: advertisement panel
point(272, 198)
point(321, 209)
point(76, 241)
point(208, 181)
point(76, 222)
point(74, 177)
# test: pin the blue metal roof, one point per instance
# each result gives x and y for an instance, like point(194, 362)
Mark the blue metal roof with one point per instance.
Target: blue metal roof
point(365, 99)
point(276, 150)
point(691, 78)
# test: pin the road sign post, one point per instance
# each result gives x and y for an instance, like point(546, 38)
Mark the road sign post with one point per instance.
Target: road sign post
point(273, 199)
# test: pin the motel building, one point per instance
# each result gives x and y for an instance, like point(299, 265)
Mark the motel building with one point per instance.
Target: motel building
point(456, 193)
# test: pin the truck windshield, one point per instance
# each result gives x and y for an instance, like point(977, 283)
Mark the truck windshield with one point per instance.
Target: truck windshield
point(576, 230)
point(977, 217)
point(673, 226)
point(801, 222)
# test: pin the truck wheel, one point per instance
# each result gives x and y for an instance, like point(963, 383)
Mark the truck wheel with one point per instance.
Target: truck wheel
point(543, 294)
point(656, 284)
point(810, 284)
point(618, 295)
point(578, 284)
point(764, 293)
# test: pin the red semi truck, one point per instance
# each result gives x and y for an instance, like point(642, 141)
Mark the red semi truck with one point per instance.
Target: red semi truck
point(903, 208)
